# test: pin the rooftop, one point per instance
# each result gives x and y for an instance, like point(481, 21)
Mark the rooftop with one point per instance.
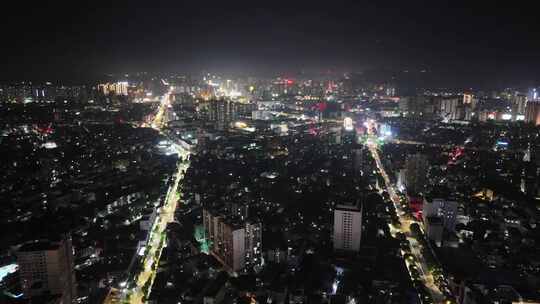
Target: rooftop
point(41, 245)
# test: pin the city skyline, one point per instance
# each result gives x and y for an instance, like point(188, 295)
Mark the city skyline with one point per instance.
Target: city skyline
point(269, 153)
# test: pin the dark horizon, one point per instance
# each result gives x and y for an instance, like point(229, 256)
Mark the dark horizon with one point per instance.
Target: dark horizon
point(463, 45)
point(151, 154)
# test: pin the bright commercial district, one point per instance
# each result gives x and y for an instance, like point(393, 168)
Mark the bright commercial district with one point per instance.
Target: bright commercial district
point(152, 254)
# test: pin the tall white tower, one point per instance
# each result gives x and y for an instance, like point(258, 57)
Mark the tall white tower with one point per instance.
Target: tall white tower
point(347, 227)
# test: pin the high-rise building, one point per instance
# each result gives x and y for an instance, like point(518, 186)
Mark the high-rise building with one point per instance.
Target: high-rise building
point(46, 269)
point(446, 209)
point(468, 99)
point(416, 106)
point(117, 88)
point(244, 110)
point(534, 94)
point(222, 113)
point(261, 115)
point(530, 179)
point(185, 100)
point(358, 160)
point(449, 108)
point(469, 106)
point(434, 229)
point(348, 132)
point(519, 104)
point(347, 227)
point(416, 168)
point(532, 113)
point(238, 209)
point(235, 243)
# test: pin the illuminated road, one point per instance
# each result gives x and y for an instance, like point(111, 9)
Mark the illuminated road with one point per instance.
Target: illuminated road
point(427, 276)
point(159, 120)
point(453, 146)
point(156, 241)
point(419, 143)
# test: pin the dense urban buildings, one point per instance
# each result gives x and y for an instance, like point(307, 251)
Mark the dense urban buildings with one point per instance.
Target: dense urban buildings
point(287, 153)
point(288, 190)
point(213, 189)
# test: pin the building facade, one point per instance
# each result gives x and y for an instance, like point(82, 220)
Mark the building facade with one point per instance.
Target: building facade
point(46, 268)
point(416, 168)
point(236, 243)
point(519, 104)
point(449, 107)
point(532, 113)
point(117, 88)
point(347, 227)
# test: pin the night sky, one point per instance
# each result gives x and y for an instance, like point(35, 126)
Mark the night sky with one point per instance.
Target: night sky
point(460, 43)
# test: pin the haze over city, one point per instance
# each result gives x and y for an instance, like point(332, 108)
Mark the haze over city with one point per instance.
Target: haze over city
point(463, 43)
point(242, 152)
